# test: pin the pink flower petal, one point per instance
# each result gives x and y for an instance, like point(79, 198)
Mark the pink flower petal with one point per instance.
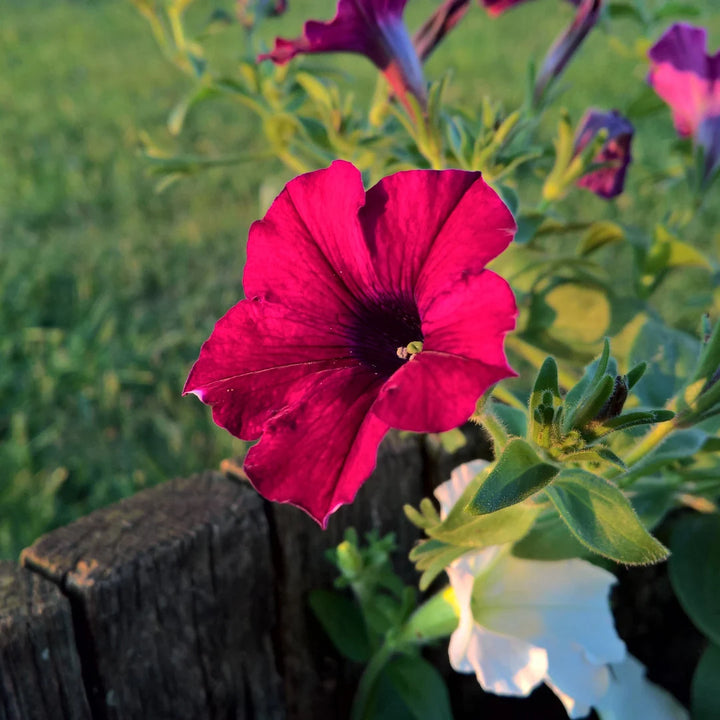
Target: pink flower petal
point(685, 77)
point(435, 392)
point(471, 319)
point(308, 251)
point(317, 453)
point(257, 360)
point(461, 227)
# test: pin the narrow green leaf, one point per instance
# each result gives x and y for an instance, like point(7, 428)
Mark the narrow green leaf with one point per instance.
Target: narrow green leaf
point(590, 406)
point(518, 474)
point(594, 454)
point(601, 518)
point(593, 374)
point(600, 234)
point(695, 570)
point(632, 419)
point(635, 374)
point(342, 620)
point(677, 11)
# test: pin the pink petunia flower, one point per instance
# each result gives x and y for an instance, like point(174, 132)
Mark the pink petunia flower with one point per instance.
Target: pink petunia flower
point(685, 76)
point(688, 80)
point(608, 181)
point(365, 311)
point(373, 28)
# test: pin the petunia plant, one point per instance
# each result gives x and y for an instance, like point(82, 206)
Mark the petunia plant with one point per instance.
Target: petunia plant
point(545, 268)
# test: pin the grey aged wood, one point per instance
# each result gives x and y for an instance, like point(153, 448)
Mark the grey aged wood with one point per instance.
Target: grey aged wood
point(173, 595)
point(189, 600)
point(316, 684)
point(40, 674)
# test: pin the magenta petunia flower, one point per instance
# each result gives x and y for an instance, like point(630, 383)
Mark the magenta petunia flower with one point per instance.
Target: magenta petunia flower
point(686, 77)
point(607, 181)
point(688, 80)
point(373, 28)
point(364, 311)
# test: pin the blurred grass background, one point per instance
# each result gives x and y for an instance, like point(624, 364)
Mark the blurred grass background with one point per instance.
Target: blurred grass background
point(108, 289)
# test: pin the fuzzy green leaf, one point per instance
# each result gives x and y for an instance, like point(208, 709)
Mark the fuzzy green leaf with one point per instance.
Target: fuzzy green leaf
point(601, 518)
point(518, 474)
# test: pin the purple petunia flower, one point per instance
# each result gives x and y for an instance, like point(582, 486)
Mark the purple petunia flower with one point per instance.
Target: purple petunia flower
point(607, 181)
point(373, 28)
point(688, 80)
point(364, 311)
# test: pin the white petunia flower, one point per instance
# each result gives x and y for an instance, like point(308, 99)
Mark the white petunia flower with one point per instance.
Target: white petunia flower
point(631, 696)
point(523, 622)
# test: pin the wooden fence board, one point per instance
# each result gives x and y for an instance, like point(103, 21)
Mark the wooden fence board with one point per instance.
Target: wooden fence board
point(172, 591)
point(40, 674)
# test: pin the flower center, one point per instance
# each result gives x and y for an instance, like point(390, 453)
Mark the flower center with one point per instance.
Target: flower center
point(386, 335)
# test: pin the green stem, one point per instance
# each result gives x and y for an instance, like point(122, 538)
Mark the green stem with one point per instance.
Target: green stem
point(362, 704)
point(644, 447)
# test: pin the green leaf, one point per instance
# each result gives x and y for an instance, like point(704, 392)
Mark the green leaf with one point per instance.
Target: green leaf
point(635, 374)
point(618, 10)
point(514, 419)
point(602, 519)
point(342, 620)
point(632, 419)
point(677, 11)
point(600, 234)
point(518, 474)
point(705, 698)
point(594, 454)
point(480, 531)
point(593, 374)
point(420, 686)
point(432, 557)
point(695, 570)
point(590, 406)
point(549, 539)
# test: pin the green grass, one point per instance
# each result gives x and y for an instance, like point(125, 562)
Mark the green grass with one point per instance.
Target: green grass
point(107, 289)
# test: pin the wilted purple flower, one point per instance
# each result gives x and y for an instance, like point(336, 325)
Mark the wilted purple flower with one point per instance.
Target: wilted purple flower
point(439, 24)
point(606, 181)
point(373, 28)
point(566, 45)
point(688, 80)
point(708, 137)
point(495, 7)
